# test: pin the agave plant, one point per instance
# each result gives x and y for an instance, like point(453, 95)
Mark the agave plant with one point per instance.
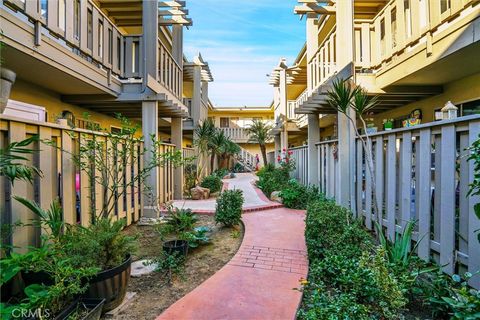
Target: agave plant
point(400, 251)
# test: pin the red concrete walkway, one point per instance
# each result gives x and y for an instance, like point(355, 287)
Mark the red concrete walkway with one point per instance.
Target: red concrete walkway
point(258, 282)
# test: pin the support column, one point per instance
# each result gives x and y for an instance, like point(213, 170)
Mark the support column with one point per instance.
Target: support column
point(278, 147)
point(177, 139)
point(313, 138)
point(150, 39)
point(346, 136)
point(204, 95)
point(197, 94)
point(284, 137)
point(312, 46)
point(151, 193)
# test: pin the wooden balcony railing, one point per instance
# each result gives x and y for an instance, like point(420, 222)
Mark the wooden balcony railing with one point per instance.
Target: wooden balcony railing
point(402, 26)
point(292, 105)
point(323, 63)
point(238, 135)
point(63, 179)
point(170, 73)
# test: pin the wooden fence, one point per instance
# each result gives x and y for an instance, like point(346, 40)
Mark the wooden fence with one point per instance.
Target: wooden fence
point(63, 179)
point(421, 174)
point(300, 158)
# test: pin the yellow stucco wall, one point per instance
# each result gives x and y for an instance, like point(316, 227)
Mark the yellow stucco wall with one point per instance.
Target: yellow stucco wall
point(255, 149)
point(29, 93)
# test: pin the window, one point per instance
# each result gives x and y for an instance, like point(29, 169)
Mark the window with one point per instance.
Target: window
point(408, 17)
point(61, 14)
point(393, 17)
point(444, 5)
point(90, 29)
point(382, 37)
point(110, 46)
point(100, 38)
point(224, 122)
point(470, 108)
point(44, 8)
point(76, 19)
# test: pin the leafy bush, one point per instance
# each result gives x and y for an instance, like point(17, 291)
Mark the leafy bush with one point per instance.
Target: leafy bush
point(349, 278)
point(101, 245)
point(273, 179)
point(229, 207)
point(222, 172)
point(297, 196)
point(178, 220)
point(212, 182)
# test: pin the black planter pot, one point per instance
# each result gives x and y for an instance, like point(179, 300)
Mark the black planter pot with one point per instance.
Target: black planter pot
point(176, 246)
point(110, 285)
point(8, 288)
point(7, 78)
point(94, 307)
point(40, 277)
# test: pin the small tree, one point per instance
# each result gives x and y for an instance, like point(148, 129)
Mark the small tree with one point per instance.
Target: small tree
point(107, 159)
point(201, 140)
point(216, 145)
point(259, 133)
point(344, 97)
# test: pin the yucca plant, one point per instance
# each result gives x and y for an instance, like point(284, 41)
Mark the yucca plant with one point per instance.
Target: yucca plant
point(346, 97)
point(400, 251)
point(50, 219)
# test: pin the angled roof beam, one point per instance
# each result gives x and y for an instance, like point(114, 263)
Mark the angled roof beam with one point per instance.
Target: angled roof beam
point(175, 3)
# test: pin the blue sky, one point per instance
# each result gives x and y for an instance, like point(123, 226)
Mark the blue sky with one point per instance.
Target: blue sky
point(242, 40)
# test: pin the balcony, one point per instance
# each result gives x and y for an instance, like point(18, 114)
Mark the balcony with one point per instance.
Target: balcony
point(238, 135)
point(292, 105)
point(323, 64)
point(406, 43)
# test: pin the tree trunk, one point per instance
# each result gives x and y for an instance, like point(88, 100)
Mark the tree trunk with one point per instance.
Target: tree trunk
point(212, 162)
point(264, 154)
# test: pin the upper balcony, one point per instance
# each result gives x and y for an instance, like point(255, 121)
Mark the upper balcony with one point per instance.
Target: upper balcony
point(95, 47)
point(414, 41)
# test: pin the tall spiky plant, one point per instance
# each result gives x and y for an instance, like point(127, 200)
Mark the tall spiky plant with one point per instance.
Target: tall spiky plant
point(259, 133)
point(344, 97)
point(216, 145)
point(202, 136)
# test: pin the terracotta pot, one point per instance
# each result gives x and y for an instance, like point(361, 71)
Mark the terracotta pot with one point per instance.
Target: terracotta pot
point(7, 81)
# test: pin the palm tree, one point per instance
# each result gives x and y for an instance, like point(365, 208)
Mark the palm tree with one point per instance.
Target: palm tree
point(259, 133)
point(202, 136)
point(228, 150)
point(216, 144)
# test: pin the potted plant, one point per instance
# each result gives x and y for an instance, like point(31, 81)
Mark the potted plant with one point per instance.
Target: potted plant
point(85, 309)
point(7, 79)
point(387, 124)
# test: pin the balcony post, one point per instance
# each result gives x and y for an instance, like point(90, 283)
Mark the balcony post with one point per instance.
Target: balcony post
point(197, 94)
point(151, 194)
point(312, 46)
point(276, 140)
point(313, 138)
point(150, 41)
point(177, 140)
point(346, 135)
point(284, 137)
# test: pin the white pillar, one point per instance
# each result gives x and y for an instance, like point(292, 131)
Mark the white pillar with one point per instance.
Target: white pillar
point(204, 111)
point(313, 138)
point(312, 45)
point(197, 94)
point(346, 135)
point(177, 43)
point(278, 147)
point(150, 130)
point(177, 139)
point(284, 137)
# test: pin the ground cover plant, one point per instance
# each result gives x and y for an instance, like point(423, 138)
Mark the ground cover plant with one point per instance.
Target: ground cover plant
point(352, 276)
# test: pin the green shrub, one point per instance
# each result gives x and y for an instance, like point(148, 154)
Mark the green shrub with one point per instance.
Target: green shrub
point(222, 172)
point(297, 196)
point(273, 179)
point(349, 278)
point(212, 182)
point(229, 207)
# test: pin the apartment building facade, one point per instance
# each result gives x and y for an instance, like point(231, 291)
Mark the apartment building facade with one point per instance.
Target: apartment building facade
point(73, 57)
point(420, 59)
